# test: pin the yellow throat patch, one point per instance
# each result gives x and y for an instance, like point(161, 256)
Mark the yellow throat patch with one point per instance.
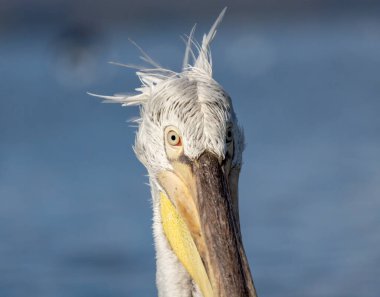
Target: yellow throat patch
point(183, 245)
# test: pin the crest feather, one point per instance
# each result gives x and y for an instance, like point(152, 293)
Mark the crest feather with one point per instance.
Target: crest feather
point(204, 60)
point(154, 75)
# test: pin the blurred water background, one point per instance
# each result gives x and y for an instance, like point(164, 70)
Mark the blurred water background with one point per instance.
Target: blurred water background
point(75, 213)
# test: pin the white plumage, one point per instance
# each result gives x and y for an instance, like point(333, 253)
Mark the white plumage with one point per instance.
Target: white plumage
point(193, 102)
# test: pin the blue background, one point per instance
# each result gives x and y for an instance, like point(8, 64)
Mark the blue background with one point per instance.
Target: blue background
point(75, 212)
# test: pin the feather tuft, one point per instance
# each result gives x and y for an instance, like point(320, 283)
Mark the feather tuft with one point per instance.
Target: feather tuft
point(154, 75)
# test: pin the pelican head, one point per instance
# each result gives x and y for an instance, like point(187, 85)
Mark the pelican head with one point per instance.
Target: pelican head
point(189, 140)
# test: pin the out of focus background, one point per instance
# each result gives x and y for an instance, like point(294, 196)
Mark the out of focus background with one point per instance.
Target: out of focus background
point(75, 212)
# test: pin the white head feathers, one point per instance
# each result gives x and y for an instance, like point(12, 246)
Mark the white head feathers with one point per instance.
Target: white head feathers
point(191, 100)
point(152, 76)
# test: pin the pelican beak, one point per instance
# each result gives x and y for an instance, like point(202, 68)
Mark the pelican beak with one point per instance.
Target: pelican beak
point(200, 221)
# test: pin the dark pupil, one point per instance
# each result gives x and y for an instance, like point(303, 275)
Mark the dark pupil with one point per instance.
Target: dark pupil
point(229, 134)
point(173, 137)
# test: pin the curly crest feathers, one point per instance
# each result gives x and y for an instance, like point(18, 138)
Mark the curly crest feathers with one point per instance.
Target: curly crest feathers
point(155, 75)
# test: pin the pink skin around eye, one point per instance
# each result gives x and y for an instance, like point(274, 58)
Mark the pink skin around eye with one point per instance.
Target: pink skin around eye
point(179, 142)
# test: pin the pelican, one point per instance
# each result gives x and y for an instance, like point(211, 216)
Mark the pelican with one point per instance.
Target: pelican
point(190, 142)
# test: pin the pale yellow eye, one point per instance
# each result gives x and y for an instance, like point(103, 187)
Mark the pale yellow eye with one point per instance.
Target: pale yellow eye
point(173, 138)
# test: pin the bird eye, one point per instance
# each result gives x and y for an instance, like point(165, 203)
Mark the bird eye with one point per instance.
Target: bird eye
point(173, 138)
point(229, 135)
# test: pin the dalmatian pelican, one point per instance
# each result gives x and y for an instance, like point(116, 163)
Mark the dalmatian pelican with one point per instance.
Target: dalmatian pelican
point(190, 142)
